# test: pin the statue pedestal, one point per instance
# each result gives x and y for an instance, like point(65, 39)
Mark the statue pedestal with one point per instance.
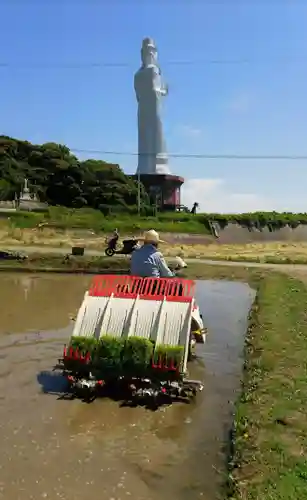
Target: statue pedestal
point(28, 203)
point(164, 190)
point(32, 206)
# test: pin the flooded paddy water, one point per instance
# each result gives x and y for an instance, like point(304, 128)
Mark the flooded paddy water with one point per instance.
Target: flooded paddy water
point(53, 448)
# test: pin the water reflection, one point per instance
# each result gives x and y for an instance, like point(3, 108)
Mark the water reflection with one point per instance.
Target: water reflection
point(39, 302)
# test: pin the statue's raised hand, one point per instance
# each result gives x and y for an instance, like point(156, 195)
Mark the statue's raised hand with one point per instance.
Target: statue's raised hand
point(164, 90)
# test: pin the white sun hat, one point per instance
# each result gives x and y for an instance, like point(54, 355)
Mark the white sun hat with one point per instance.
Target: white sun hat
point(151, 236)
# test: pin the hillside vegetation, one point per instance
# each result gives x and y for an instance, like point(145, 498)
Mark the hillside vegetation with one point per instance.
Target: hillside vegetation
point(97, 195)
point(58, 177)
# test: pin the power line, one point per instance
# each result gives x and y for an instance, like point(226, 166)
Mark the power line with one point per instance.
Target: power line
point(107, 64)
point(197, 156)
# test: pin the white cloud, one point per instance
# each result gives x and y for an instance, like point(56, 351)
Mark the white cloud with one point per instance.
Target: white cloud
point(213, 195)
point(189, 131)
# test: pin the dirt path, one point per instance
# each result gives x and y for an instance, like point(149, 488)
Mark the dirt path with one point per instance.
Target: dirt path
point(47, 249)
point(295, 270)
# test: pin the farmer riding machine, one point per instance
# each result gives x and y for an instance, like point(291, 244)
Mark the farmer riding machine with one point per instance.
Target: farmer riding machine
point(135, 332)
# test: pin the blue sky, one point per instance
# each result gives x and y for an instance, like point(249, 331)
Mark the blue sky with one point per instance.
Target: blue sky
point(258, 107)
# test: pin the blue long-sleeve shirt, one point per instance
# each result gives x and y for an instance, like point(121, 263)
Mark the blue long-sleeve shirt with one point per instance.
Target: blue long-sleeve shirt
point(147, 262)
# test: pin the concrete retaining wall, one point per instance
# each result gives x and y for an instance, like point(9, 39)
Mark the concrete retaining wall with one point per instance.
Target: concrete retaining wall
point(234, 233)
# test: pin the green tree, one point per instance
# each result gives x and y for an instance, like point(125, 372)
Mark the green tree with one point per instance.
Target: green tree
point(60, 178)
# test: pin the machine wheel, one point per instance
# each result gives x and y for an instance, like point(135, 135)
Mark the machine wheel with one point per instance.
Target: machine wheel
point(109, 252)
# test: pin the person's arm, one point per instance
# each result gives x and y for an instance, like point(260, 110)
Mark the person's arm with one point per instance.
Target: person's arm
point(164, 270)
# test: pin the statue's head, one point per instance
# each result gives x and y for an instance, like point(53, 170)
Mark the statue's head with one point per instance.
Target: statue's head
point(149, 52)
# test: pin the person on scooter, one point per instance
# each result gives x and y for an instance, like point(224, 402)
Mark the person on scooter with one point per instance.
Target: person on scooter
point(147, 261)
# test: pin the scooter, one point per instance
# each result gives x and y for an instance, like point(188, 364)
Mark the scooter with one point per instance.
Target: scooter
point(7, 255)
point(127, 248)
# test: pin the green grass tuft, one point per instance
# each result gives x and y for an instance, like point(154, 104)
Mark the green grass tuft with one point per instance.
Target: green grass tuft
point(270, 445)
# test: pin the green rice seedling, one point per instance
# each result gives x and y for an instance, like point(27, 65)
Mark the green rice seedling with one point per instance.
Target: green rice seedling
point(109, 353)
point(169, 355)
point(84, 344)
point(137, 355)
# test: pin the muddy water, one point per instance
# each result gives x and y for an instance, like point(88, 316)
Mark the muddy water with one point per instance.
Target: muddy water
point(54, 448)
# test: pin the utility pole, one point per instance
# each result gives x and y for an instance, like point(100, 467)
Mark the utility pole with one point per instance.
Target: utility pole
point(139, 193)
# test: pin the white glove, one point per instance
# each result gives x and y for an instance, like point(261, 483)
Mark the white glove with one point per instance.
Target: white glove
point(180, 264)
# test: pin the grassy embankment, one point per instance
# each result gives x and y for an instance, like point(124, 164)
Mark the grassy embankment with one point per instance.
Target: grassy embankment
point(271, 426)
point(270, 441)
point(65, 228)
point(61, 219)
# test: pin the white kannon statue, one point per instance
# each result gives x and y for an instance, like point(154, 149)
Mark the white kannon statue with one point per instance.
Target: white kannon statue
point(26, 189)
point(25, 195)
point(149, 89)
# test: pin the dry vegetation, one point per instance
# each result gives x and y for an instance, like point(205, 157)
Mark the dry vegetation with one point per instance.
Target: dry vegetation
point(287, 252)
point(50, 237)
